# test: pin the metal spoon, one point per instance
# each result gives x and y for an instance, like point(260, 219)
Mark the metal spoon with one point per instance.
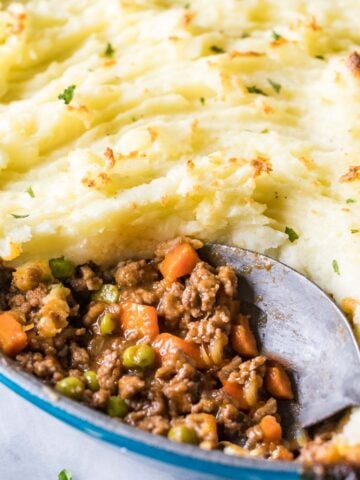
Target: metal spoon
point(299, 325)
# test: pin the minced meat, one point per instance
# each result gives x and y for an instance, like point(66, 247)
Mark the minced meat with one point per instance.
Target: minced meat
point(150, 341)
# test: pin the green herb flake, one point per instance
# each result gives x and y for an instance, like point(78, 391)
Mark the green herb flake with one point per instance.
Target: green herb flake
point(187, 6)
point(276, 36)
point(354, 230)
point(350, 200)
point(266, 130)
point(15, 215)
point(67, 94)
point(276, 86)
point(291, 234)
point(246, 35)
point(320, 57)
point(255, 89)
point(30, 192)
point(216, 49)
point(109, 51)
point(202, 100)
point(335, 266)
point(65, 475)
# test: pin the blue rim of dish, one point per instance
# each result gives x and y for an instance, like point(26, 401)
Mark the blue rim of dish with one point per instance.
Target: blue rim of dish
point(137, 441)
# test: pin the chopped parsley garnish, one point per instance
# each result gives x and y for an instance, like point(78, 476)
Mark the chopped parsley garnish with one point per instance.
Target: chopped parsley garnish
point(15, 215)
point(335, 266)
point(354, 230)
point(109, 51)
point(350, 200)
point(276, 86)
point(276, 36)
point(65, 475)
point(216, 49)
point(30, 191)
point(246, 35)
point(67, 94)
point(255, 89)
point(187, 6)
point(202, 100)
point(291, 234)
point(320, 57)
point(266, 130)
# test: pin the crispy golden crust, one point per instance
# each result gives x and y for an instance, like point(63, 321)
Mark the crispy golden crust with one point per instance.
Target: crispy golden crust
point(353, 63)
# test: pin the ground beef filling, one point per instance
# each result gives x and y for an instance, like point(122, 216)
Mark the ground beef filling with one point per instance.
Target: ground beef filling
point(159, 344)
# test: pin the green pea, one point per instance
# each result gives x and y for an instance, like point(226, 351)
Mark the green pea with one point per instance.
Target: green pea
point(108, 293)
point(107, 324)
point(116, 407)
point(72, 387)
point(183, 434)
point(91, 380)
point(61, 268)
point(139, 356)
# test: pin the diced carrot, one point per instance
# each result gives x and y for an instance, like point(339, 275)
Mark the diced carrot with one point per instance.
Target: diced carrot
point(139, 319)
point(271, 429)
point(242, 338)
point(13, 339)
point(179, 261)
point(165, 343)
point(236, 391)
point(277, 383)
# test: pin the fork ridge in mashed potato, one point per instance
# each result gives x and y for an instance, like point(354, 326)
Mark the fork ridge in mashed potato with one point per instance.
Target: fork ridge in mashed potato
point(124, 123)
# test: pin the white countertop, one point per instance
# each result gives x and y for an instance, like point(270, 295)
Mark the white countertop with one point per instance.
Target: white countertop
point(36, 446)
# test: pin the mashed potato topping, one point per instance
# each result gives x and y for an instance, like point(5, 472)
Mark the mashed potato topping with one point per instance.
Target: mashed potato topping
point(126, 122)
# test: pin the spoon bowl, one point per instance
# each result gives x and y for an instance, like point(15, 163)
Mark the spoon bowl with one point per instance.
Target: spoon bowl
point(299, 325)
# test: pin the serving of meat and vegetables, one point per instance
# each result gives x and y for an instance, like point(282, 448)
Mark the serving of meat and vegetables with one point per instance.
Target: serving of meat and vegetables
point(158, 343)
